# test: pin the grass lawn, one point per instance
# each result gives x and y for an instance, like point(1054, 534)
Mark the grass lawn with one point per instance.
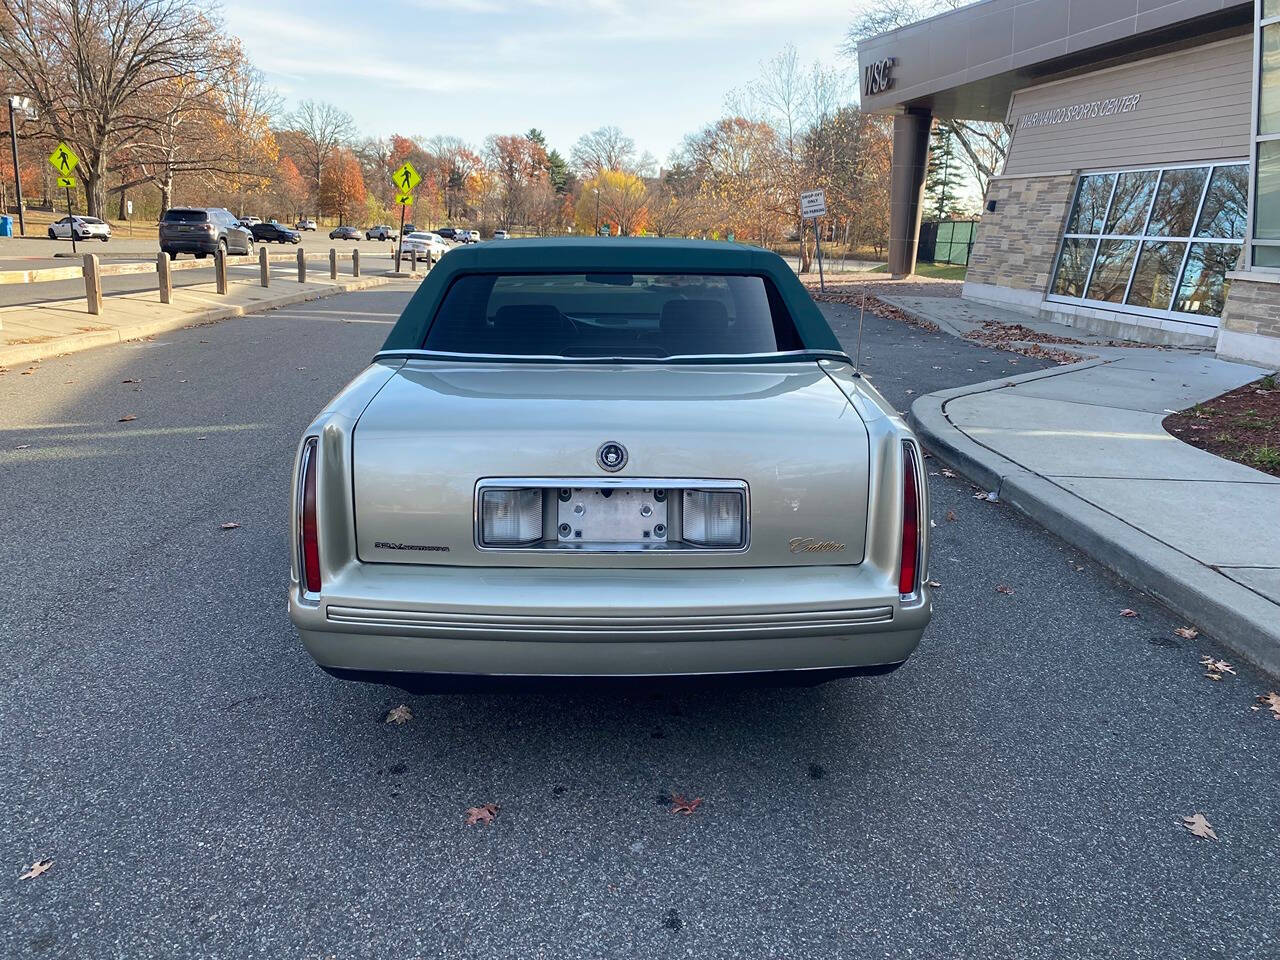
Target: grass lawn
point(936, 271)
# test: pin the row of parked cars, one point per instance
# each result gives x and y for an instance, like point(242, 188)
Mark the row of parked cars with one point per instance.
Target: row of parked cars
point(206, 230)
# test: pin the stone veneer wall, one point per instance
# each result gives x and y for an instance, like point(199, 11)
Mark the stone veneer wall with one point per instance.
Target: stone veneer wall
point(1250, 327)
point(1017, 242)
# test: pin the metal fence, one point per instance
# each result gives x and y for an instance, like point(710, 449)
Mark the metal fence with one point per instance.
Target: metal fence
point(946, 241)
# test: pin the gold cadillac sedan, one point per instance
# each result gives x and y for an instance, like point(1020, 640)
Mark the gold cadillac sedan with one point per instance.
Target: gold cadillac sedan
point(609, 458)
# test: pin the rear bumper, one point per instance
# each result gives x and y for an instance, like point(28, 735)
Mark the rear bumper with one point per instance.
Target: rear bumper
point(507, 622)
point(190, 245)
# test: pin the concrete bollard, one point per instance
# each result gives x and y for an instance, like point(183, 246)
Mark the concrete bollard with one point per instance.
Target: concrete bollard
point(220, 270)
point(333, 263)
point(264, 270)
point(355, 263)
point(165, 277)
point(302, 265)
point(92, 283)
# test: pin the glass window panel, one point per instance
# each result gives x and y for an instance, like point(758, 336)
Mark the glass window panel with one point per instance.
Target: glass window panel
point(1073, 266)
point(1131, 201)
point(1091, 203)
point(1266, 199)
point(1156, 274)
point(1226, 203)
point(1266, 256)
point(1204, 283)
point(1176, 202)
point(1111, 270)
point(1270, 8)
point(1269, 80)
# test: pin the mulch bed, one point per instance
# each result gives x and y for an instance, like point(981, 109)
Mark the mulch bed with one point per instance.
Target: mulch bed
point(1243, 425)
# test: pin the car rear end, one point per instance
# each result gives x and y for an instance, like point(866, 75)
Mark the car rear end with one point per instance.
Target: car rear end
point(188, 230)
point(673, 514)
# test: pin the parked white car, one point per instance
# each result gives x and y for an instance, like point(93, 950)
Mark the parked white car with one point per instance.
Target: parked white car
point(306, 225)
point(501, 235)
point(423, 244)
point(473, 236)
point(87, 228)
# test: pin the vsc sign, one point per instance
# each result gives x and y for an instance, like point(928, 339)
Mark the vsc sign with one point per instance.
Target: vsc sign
point(877, 77)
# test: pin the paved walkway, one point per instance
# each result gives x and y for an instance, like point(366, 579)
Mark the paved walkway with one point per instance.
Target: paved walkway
point(36, 331)
point(1081, 449)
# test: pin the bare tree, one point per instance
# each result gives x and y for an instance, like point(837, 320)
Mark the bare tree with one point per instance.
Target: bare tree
point(320, 129)
point(90, 65)
point(985, 144)
point(607, 148)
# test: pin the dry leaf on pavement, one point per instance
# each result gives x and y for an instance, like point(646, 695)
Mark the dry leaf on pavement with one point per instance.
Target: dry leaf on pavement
point(947, 472)
point(1272, 701)
point(1201, 827)
point(481, 814)
point(130, 381)
point(1187, 633)
point(680, 805)
point(37, 868)
point(932, 583)
point(398, 715)
point(1004, 588)
point(127, 417)
point(951, 516)
point(230, 525)
point(1218, 667)
point(1126, 612)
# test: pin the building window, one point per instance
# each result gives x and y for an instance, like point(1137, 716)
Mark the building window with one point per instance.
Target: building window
point(1155, 241)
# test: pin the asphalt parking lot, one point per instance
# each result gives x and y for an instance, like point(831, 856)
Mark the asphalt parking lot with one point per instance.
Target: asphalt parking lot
point(204, 791)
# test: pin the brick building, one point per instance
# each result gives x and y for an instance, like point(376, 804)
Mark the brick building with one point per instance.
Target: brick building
point(1141, 193)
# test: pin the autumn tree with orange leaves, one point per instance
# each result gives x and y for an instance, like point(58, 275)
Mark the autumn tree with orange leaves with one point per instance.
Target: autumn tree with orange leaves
point(342, 192)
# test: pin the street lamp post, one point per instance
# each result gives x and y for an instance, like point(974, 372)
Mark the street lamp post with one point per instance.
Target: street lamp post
point(14, 104)
point(596, 191)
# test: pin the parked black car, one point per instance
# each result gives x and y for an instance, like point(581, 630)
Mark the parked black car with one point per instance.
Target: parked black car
point(202, 231)
point(449, 233)
point(275, 233)
point(344, 233)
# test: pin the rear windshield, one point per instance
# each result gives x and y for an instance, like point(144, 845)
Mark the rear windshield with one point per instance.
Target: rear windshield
point(612, 315)
point(185, 216)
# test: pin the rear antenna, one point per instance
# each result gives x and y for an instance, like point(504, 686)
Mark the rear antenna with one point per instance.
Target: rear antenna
point(857, 356)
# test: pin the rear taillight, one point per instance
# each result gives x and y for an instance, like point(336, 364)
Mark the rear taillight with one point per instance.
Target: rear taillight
point(309, 556)
point(909, 570)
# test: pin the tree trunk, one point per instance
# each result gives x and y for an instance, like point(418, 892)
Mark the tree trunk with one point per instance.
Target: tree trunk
point(95, 192)
point(166, 192)
point(121, 214)
point(806, 255)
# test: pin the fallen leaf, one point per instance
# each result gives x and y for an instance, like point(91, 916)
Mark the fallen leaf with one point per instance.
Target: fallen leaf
point(1216, 666)
point(1201, 827)
point(127, 418)
point(481, 814)
point(951, 516)
point(398, 715)
point(131, 381)
point(1213, 676)
point(948, 472)
point(23, 446)
point(1187, 633)
point(230, 525)
point(37, 868)
point(932, 583)
point(910, 392)
point(1004, 588)
point(1272, 701)
point(1126, 612)
point(680, 805)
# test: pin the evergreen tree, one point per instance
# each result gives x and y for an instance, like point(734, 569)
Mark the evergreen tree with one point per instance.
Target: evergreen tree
point(942, 185)
point(536, 136)
point(557, 171)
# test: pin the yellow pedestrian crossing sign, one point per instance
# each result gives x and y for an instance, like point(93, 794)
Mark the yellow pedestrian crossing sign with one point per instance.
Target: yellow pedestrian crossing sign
point(64, 159)
point(68, 183)
point(406, 178)
point(404, 199)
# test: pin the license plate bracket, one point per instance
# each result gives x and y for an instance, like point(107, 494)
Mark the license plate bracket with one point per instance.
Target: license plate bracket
point(612, 515)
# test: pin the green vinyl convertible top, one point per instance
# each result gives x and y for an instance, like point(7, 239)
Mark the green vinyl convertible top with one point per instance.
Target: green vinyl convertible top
point(643, 255)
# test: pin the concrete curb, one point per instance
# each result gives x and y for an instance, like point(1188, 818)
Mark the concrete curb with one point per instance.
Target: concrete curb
point(1218, 605)
point(16, 354)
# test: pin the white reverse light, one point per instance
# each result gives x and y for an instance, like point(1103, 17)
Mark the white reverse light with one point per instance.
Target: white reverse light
point(509, 517)
point(712, 518)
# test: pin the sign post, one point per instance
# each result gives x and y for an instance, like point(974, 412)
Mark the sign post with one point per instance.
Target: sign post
point(813, 204)
point(404, 180)
point(65, 161)
point(23, 104)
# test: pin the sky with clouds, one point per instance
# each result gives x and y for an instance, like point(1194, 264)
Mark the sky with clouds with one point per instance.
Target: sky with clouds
point(659, 69)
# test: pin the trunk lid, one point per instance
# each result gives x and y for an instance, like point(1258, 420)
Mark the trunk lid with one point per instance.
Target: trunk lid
point(438, 428)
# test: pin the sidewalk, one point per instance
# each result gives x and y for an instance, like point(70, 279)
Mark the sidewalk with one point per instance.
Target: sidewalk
point(1080, 449)
point(35, 331)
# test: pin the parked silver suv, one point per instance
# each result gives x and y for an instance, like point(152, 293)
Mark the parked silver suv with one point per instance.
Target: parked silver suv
point(202, 231)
